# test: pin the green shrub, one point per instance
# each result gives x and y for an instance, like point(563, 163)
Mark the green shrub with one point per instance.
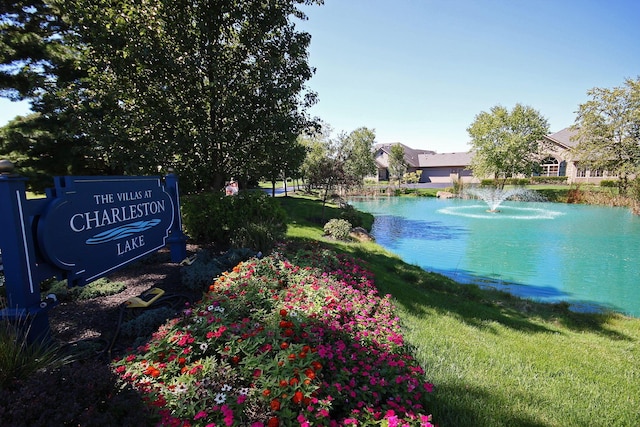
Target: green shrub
point(227, 220)
point(610, 183)
point(634, 190)
point(98, 288)
point(351, 214)
point(259, 236)
point(208, 266)
point(146, 323)
point(206, 217)
point(199, 275)
point(548, 180)
point(339, 229)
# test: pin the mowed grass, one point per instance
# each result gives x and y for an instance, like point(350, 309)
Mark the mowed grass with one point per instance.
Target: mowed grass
point(498, 360)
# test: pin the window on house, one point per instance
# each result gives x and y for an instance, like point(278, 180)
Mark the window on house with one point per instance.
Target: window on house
point(550, 167)
point(597, 173)
point(581, 173)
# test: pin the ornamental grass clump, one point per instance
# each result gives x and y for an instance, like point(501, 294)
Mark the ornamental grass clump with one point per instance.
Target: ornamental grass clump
point(302, 339)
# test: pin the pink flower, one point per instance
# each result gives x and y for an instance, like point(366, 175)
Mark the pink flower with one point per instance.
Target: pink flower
point(303, 421)
point(425, 421)
point(201, 414)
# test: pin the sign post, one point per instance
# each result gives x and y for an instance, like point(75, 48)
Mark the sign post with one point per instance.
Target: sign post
point(84, 229)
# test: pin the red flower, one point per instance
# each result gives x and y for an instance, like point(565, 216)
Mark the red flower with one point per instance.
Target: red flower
point(275, 405)
point(153, 371)
point(273, 422)
point(266, 392)
point(284, 383)
point(297, 397)
point(293, 381)
point(283, 312)
point(284, 345)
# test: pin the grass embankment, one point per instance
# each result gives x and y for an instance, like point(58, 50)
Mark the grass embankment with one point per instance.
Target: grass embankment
point(497, 360)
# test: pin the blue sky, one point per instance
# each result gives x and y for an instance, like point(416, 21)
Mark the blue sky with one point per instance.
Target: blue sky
point(419, 71)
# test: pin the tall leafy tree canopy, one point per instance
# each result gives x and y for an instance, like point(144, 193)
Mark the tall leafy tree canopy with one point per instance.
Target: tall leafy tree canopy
point(205, 86)
point(358, 149)
point(507, 143)
point(397, 162)
point(608, 131)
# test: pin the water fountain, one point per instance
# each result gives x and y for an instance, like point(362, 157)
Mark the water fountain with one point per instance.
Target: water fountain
point(494, 197)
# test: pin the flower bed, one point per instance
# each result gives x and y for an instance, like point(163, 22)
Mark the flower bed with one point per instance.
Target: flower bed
point(296, 339)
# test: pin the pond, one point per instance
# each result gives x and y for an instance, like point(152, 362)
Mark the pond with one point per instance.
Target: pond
point(588, 256)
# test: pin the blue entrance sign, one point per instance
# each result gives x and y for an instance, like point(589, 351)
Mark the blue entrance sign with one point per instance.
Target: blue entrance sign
point(85, 228)
point(96, 224)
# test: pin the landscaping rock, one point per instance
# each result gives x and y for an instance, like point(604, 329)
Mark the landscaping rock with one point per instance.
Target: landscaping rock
point(445, 195)
point(360, 234)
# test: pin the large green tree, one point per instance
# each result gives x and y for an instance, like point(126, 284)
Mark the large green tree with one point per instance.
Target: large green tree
point(204, 86)
point(397, 162)
point(608, 131)
point(36, 55)
point(322, 168)
point(507, 143)
point(33, 51)
point(358, 153)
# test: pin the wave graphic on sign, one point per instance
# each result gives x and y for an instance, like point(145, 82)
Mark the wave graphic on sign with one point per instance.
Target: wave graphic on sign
point(122, 232)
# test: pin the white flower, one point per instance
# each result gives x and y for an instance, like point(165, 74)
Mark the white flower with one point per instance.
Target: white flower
point(180, 388)
point(220, 398)
point(204, 346)
point(244, 391)
point(226, 387)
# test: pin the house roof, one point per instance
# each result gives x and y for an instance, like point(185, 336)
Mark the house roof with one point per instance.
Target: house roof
point(435, 160)
point(565, 137)
point(411, 155)
point(431, 159)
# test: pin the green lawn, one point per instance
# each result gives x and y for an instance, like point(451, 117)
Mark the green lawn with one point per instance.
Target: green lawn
point(497, 360)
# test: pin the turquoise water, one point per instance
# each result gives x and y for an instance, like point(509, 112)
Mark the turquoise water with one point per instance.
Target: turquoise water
point(588, 256)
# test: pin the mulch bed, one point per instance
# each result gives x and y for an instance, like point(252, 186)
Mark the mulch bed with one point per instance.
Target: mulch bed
point(97, 319)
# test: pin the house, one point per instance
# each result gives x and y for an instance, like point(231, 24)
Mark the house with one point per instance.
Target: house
point(560, 162)
point(411, 159)
point(446, 168)
point(433, 167)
